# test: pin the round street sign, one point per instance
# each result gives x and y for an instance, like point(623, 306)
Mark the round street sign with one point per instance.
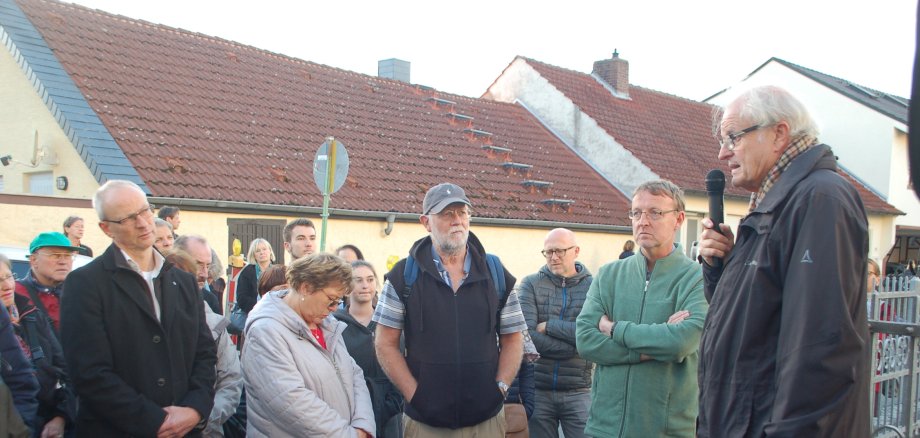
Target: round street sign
point(338, 158)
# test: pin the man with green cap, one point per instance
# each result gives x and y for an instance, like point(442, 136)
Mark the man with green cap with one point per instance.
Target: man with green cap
point(51, 259)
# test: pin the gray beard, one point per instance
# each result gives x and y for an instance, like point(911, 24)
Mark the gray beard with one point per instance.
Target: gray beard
point(450, 249)
point(447, 247)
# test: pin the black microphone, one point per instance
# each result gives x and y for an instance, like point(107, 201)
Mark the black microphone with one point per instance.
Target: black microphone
point(715, 188)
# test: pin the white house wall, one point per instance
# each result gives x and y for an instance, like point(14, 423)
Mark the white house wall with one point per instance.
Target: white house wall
point(22, 114)
point(522, 83)
point(902, 196)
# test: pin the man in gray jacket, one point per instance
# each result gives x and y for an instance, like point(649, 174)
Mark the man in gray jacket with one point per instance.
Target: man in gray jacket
point(551, 300)
point(785, 348)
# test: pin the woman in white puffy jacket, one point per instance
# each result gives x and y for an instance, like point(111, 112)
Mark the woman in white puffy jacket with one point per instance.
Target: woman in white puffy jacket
point(300, 380)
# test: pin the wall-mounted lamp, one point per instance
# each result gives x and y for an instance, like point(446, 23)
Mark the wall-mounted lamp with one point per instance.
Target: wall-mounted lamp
point(6, 160)
point(61, 182)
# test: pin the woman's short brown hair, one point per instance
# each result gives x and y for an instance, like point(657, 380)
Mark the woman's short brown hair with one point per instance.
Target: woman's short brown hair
point(183, 261)
point(319, 271)
point(274, 276)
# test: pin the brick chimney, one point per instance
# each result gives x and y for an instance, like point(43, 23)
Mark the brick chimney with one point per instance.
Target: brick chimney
point(614, 71)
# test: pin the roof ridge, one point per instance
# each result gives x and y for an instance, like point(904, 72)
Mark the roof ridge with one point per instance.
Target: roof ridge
point(631, 85)
point(846, 81)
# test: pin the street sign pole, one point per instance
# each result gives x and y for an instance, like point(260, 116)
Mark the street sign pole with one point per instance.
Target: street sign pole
point(327, 189)
point(330, 170)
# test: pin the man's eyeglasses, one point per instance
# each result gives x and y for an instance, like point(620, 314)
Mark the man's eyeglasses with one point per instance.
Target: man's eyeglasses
point(58, 256)
point(131, 219)
point(653, 215)
point(733, 137)
point(549, 253)
point(450, 214)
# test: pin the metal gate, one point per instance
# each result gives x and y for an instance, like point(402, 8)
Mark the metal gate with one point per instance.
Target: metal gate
point(894, 326)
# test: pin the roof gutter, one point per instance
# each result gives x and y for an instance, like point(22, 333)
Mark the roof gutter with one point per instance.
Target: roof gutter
point(389, 216)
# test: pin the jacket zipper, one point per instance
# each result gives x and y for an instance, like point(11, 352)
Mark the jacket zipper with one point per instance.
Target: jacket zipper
point(331, 358)
point(457, 367)
point(565, 303)
point(648, 277)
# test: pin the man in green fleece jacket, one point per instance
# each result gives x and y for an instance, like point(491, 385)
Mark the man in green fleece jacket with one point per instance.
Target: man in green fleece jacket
point(641, 325)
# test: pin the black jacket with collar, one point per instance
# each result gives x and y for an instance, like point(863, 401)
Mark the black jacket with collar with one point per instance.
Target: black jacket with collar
point(55, 396)
point(126, 365)
point(385, 397)
point(785, 346)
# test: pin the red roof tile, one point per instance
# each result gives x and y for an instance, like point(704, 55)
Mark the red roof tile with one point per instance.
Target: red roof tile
point(671, 135)
point(201, 117)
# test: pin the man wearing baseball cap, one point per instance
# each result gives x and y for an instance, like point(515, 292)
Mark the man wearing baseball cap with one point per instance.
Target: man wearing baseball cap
point(51, 259)
point(451, 314)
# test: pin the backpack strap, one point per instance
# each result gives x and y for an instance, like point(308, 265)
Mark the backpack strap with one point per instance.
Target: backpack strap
point(33, 296)
point(410, 274)
point(30, 326)
point(497, 271)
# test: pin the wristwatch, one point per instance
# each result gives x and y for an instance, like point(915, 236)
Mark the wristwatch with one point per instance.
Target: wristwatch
point(503, 387)
point(201, 424)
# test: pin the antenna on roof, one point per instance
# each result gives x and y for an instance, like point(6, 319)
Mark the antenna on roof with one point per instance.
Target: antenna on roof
point(616, 54)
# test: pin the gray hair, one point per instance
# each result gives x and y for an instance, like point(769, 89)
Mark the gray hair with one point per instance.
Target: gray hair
point(184, 240)
point(99, 197)
point(663, 187)
point(216, 270)
point(770, 104)
point(70, 221)
point(162, 223)
point(6, 261)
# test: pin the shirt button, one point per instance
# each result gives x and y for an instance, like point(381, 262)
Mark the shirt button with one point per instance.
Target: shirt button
point(156, 339)
point(161, 381)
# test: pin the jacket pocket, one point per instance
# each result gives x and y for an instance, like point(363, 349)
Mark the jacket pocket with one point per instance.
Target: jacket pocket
point(479, 393)
point(434, 398)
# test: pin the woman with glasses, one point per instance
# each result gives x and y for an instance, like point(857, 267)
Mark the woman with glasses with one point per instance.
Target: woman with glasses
point(56, 400)
point(300, 379)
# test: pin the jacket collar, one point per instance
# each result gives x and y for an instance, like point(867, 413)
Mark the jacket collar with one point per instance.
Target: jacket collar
point(818, 157)
point(272, 306)
point(674, 259)
point(343, 316)
point(129, 282)
point(30, 281)
point(581, 272)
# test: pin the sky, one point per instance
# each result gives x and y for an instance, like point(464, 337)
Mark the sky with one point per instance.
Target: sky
point(691, 49)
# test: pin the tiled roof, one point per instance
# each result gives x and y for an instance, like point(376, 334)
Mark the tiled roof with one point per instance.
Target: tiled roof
point(872, 202)
point(205, 118)
point(671, 135)
point(887, 104)
point(86, 132)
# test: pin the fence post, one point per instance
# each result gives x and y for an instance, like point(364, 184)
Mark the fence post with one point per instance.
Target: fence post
point(910, 406)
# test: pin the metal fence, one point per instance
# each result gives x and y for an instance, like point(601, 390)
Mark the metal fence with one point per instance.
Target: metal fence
point(894, 325)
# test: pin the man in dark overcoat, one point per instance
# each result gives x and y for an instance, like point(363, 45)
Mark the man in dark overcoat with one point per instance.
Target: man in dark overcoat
point(133, 330)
